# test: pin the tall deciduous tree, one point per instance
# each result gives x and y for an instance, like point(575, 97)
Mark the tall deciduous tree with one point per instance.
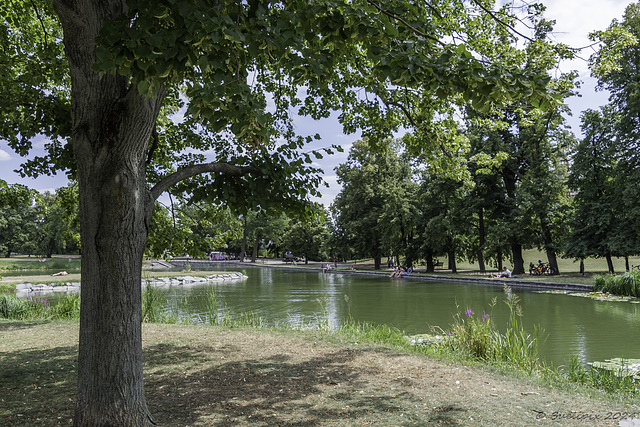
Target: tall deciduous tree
point(307, 237)
point(532, 173)
point(372, 206)
point(592, 179)
point(616, 65)
point(238, 69)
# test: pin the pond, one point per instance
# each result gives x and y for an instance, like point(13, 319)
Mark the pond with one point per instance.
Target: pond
point(593, 330)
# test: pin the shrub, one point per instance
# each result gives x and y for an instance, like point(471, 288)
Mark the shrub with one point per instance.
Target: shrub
point(479, 338)
point(37, 307)
point(627, 284)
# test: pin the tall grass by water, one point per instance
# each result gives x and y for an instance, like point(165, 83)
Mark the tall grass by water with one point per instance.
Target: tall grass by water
point(156, 309)
point(478, 337)
point(627, 284)
point(37, 307)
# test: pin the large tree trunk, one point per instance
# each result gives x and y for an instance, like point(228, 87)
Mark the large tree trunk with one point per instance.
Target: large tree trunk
point(114, 220)
point(112, 125)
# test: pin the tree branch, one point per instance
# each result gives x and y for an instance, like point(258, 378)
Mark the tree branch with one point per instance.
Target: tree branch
point(193, 170)
point(44, 30)
point(500, 21)
point(397, 18)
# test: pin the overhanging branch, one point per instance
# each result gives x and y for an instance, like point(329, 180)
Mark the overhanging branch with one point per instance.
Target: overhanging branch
point(411, 27)
point(193, 170)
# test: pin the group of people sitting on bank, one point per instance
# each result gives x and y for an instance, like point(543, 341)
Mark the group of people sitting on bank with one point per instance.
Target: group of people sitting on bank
point(401, 271)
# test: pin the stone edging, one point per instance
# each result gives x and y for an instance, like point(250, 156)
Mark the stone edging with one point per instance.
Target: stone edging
point(25, 289)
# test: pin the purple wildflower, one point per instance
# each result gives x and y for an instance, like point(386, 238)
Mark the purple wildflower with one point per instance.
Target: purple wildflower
point(469, 312)
point(485, 317)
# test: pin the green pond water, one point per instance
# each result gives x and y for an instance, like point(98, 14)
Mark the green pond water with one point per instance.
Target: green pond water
point(593, 330)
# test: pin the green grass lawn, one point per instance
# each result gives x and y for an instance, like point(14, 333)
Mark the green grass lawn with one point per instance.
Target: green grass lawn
point(23, 262)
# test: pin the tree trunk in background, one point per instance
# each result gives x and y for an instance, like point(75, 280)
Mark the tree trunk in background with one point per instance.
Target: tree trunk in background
point(548, 244)
point(518, 260)
point(244, 239)
point(452, 261)
point(610, 264)
point(481, 240)
point(254, 253)
point(429, 257)
point(377, 262)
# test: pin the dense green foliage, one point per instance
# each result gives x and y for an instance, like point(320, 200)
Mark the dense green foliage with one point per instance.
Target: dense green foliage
point(373, 212)
point(36, 224)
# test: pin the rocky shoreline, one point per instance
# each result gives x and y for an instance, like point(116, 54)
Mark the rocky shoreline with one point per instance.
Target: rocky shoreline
point(26, 289)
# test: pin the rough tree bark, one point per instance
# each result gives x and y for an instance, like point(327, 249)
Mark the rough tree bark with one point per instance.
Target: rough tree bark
point(112, 126)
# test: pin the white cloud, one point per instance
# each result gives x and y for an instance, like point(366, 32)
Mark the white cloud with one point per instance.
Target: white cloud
point(575, 19)
point(4, 156)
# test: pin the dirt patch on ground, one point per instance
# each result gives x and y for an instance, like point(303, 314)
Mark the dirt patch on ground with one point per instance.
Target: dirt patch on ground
point(201, 375)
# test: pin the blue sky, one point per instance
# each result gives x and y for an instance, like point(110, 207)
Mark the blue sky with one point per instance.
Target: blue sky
point(574, 20)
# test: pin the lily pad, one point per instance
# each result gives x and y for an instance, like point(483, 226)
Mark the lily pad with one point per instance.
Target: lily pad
point(598, 296)
point(425, 339)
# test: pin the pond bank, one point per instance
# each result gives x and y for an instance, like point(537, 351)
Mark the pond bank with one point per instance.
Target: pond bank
point(26, 289)
point(499, 282)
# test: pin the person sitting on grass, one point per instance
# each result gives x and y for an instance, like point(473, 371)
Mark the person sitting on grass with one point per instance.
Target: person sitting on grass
point(505, 272)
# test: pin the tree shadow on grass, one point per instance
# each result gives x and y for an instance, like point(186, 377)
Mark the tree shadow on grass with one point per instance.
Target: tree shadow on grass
point(202, 385)
point(38, 386)
point(14, 325)
point(276, 391)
